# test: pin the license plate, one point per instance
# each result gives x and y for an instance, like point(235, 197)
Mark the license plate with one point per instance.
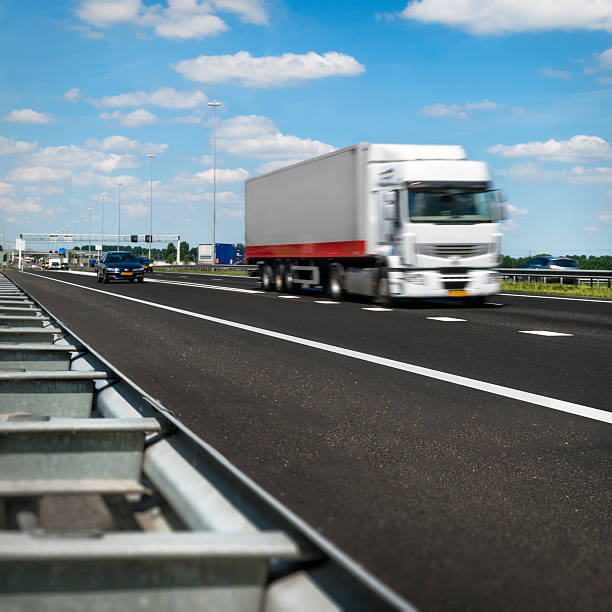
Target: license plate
point(458, 293)
point(126, 274)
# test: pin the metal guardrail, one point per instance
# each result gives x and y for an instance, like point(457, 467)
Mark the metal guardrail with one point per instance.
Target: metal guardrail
point(594, 278)
point(203, 268)
point(108, 502)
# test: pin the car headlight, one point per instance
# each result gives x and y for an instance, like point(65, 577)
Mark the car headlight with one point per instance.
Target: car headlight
point(138, 269)
point(415, 277)
point(113, 270)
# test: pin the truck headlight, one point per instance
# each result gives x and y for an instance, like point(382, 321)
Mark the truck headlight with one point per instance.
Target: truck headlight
point(415, 277)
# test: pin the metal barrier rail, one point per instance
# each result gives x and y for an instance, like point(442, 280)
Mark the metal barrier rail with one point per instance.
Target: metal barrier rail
point(108, 502)
point(595, 278)
point(204, 268)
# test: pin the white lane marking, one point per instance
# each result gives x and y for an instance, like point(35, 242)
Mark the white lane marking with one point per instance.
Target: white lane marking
point(446, 319)
point(378, 309)
point(552, 297)
point(325, 302)
point(479, 385)
point(289, 297)
point(201, 286)
point(544, 333)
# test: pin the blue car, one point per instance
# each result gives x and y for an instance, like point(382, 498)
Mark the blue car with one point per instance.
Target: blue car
point(119, 265)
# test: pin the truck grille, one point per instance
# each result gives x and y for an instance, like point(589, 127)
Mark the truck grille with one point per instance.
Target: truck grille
point(453, 250)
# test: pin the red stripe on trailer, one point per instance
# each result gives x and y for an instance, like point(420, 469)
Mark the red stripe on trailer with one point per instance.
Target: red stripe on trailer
point(350, 248)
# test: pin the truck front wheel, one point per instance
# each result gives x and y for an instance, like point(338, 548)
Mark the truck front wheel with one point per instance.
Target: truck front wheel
point(382, 290)
point(267, 277)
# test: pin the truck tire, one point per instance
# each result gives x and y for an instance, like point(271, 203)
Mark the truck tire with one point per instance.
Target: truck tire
point(279, 277)
point(267, 277)
point(334, 285)
point(290, 285)
point(382, 290)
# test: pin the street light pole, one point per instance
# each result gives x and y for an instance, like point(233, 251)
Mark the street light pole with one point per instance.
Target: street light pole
point(102, 196)
point(89, 242)
point(151, 157)
point(81, 254)
point(119, 215)
point(214, 106)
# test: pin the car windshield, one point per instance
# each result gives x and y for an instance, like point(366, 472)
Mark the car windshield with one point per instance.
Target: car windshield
point(120, 258)
point(452, 206)
point(564, 263)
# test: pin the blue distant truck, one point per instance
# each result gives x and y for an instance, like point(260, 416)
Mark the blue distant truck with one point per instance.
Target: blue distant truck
point(229, 254)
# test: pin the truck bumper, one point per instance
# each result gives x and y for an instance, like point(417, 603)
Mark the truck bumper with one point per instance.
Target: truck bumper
point(435, 284)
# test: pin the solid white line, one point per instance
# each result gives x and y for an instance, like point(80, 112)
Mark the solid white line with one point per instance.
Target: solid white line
point(544, 333)
point(523, 396)
point(446, 319)
point(552, 297)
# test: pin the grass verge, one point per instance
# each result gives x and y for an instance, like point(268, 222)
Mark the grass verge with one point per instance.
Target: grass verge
point(558, 289)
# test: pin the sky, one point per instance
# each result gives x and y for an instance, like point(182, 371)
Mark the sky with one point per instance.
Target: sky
point(88, 88)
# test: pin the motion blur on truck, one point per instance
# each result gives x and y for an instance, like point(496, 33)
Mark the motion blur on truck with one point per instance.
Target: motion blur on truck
point(389, 221)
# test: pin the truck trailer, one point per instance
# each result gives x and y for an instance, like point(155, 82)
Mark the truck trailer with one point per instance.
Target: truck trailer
point(390, 221)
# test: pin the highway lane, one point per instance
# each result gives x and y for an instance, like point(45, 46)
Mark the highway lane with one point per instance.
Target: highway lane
point(451, 495)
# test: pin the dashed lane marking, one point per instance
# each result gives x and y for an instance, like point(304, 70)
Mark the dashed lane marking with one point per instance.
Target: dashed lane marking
point(446, 319)
point(378, 309)
point(543, 333)
point(289, 297)
point(463, 381)
point(325, 302)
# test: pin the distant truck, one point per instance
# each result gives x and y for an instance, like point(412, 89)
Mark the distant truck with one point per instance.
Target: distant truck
point(389, 221)
point(204, 254)
point(225, 253)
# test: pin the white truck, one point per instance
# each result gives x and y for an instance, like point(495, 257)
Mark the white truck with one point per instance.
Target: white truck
point(205, 254)
point(385, 220)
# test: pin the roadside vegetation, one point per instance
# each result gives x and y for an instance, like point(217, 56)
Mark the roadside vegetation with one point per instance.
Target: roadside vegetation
point(585, 290)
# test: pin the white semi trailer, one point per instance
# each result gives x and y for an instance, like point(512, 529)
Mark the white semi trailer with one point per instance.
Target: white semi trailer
point(385, 220)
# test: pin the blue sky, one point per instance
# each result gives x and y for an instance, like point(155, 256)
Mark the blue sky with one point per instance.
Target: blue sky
point(89, 87)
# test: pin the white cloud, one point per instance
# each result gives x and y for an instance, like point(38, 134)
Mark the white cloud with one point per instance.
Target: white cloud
point(106, 13)
point(87, 32)
point(27, 115)
point(165, 97)
point(8, 146)
point(256, 136)
point(122, 144)
point(10, 206)
point(457, 111)
point(445, 110)
point(135, 210)
point(72, 95)
point(514, 210)
point(550, 73)
point(76, 157)
point(609, 193)
point(176, 19)
point(136, 118)
point(232, 213)
point(591, 228)
point(37, 174)
point(267, 71)
point(508, 16)
point(577, 148)
point(205, 160)
point(581, 175)
point(605, 217)
point(605, 59)
point(6, 189)
point(223, 176)
point(531, 173)
point(44, 190)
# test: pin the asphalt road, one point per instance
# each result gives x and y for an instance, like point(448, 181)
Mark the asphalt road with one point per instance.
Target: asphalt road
point(458, 494)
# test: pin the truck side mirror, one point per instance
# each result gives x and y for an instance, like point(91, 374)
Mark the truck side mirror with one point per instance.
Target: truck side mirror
point(390, 200)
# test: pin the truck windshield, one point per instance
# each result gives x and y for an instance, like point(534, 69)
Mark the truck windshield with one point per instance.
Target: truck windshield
point(451, 206)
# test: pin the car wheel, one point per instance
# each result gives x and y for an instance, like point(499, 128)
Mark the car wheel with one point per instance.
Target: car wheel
point(105, 279)
point(141, 280)
point(99, 278)
point(131, 280)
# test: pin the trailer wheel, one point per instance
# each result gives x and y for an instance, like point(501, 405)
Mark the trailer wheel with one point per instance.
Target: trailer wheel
point(267, 277)
point(334, 283)
point(279, 277)
point(290, 285)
